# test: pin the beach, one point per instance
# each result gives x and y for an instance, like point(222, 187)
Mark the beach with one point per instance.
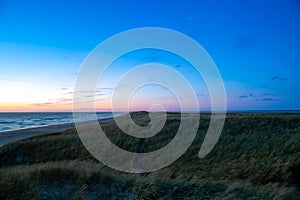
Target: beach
point(15, 135)
point(11, 136)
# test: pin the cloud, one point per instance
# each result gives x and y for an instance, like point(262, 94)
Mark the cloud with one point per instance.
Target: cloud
point(278, 78)
point(259, 97)
point(41, 104)
point(94, 95)
point(243, 97)
point(105, 88)
point(65, 99)
point(269, 99)
point(64, 88)
point(243, 41)
point(268, 94)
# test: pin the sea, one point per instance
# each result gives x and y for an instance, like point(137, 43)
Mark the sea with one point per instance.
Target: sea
point(10, 121)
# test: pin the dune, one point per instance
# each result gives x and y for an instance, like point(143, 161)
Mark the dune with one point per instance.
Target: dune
point(256, 157)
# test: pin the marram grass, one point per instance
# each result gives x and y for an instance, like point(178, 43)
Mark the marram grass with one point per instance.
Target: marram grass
point(257, 157)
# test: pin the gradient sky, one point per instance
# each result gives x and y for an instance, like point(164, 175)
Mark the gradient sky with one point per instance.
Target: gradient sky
point(255, 45)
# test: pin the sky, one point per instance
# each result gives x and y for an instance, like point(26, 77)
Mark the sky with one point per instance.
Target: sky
point(255, 45)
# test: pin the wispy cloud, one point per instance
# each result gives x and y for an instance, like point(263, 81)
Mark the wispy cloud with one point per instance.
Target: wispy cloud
point(65, 99)
point(278, 78)
point(64, 88)
point(259, 97)
point(242, 97)
point(268, 94)
point(269, 99)
point(105, 88)
point(42, 104)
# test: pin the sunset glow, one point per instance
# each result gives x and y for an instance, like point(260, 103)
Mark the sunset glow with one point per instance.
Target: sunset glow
point(257, 53)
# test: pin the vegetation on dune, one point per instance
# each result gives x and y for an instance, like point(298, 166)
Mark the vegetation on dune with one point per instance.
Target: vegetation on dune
point(257, 157)
point(85, 180)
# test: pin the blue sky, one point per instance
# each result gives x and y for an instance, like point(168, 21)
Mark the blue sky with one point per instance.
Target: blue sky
point(255, 45)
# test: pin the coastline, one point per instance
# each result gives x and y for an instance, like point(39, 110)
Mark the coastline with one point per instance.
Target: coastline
point(19, 134)
point(15, 135)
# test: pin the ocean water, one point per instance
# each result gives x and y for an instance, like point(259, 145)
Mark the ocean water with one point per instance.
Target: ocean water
point(21, 120)
point(15, 121)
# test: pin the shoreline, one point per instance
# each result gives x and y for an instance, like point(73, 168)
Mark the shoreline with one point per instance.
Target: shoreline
point(19, 134)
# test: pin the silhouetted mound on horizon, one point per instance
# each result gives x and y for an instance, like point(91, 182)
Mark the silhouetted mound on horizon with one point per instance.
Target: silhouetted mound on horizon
point(256, 157)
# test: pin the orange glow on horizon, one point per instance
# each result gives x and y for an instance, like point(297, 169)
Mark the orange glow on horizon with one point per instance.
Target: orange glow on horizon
point(53, 107)
point(19, 107)
point(103, 105)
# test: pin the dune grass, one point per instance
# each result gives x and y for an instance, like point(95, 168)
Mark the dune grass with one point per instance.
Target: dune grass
point(257, 157)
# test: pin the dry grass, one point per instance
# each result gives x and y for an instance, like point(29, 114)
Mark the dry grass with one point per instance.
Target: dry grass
point(257, 157)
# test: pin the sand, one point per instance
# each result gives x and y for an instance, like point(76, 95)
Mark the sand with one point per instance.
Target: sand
point(11, 136)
